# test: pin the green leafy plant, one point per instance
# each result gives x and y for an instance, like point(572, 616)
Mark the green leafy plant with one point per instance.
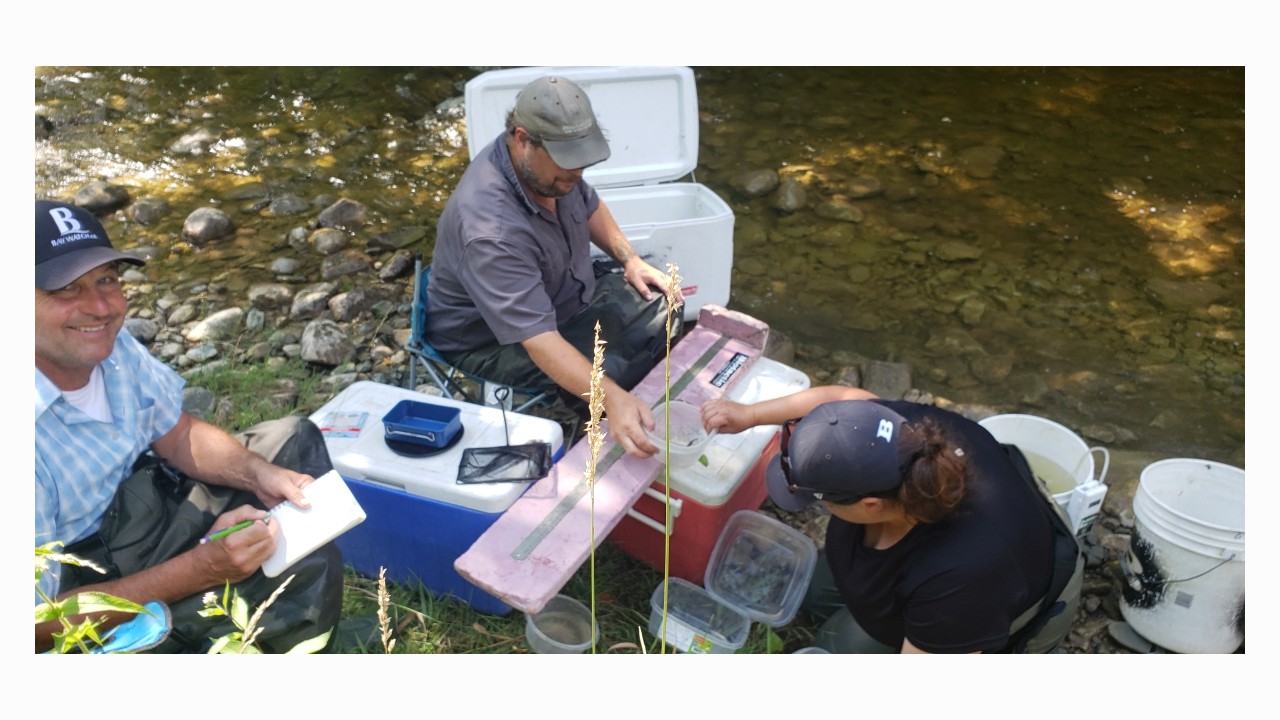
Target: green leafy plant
point(83, 635)
point(241, 640)
point(76, 636)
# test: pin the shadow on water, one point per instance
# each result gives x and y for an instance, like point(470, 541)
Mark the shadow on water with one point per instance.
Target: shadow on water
point(1067, 242)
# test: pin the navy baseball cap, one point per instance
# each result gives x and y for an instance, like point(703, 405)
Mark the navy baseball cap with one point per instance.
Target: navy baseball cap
point(69, 243)
point(843, 451)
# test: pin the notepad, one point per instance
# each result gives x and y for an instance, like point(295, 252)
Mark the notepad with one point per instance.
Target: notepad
point(333, 511)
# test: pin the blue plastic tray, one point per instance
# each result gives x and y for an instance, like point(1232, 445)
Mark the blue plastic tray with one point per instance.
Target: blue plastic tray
point(422, 423)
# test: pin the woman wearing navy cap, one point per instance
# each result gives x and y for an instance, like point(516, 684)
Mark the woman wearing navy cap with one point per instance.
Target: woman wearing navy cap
point(937, 542)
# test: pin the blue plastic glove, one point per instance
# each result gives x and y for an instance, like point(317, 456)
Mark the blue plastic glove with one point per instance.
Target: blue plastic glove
point(145, 631)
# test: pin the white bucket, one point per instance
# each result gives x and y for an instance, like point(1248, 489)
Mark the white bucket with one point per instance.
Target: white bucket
point(1058, 457)
point(1184, 572)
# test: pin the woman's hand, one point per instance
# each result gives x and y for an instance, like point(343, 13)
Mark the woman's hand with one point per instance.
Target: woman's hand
point(727, 416)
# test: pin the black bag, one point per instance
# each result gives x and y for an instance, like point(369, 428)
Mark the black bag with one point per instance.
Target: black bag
point(156, 514)
point(159, 513)
point(1067, 558)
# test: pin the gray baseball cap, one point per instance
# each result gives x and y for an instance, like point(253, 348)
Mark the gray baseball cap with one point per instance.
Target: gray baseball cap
point(556, 111)
point(69, 243)
point(844, 449)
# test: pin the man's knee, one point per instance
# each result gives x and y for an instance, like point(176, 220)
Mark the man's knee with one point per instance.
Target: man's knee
point(292, 442)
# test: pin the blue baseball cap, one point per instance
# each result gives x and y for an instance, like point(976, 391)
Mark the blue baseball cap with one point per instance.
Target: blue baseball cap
point(69, 243)
point(844, 451)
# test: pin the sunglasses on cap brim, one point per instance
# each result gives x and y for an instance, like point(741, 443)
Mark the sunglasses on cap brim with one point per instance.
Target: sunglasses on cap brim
point(784, 461)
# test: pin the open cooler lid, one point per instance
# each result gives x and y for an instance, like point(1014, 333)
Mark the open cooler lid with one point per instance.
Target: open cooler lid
point(649, 116)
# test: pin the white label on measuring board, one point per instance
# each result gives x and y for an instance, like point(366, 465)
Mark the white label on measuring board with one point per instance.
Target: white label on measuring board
point(730, 369)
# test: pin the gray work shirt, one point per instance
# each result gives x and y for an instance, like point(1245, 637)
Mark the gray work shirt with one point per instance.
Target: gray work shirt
point(504, 268)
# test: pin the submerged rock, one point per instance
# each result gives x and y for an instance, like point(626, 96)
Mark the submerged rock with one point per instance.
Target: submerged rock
point(149, 210)
point(207, 224)
point(344, 213)
point(755, 183)
point(101, 197)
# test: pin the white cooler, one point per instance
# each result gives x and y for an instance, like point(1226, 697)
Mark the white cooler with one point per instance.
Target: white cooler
point(650, 117)
point(419, 518)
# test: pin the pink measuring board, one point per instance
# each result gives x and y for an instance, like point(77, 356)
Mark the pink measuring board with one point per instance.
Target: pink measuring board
point(531, 551)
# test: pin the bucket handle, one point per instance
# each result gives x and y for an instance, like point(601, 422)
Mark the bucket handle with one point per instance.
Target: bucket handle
point(1106, 462)
point(1134, 577)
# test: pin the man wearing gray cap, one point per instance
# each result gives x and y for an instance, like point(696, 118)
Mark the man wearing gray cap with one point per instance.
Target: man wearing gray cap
point(940, 539)
point(514, 296)
point(115, 455)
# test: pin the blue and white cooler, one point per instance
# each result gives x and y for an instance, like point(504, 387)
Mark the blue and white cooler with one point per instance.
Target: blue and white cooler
point(420, 518)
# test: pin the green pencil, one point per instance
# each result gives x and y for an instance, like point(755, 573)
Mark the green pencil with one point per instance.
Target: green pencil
point(227, 531)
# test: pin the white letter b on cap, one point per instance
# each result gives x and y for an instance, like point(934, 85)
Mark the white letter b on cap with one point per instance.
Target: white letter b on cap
point(65, 221)
point(885, 430)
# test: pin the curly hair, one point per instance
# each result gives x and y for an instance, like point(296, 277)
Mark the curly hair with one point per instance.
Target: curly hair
point(933, 473)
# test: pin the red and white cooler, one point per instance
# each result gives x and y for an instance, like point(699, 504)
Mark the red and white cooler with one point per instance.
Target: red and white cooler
point(704, 497)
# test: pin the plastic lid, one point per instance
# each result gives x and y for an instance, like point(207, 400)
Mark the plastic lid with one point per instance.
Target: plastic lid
point(761, 566)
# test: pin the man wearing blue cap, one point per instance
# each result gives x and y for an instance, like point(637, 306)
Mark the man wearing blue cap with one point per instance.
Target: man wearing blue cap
point(109, 416)
point(514, 295)
point(939, 540)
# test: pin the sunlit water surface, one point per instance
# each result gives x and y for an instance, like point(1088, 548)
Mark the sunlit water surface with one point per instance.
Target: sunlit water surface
point(1065, 242)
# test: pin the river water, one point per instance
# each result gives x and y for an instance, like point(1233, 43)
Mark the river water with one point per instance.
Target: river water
point(1066, 242)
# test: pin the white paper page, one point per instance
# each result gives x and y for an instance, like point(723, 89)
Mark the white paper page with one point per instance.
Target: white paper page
point(333, 511)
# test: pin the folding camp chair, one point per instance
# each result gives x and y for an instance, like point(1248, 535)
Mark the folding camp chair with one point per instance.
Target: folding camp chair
point(452, 382)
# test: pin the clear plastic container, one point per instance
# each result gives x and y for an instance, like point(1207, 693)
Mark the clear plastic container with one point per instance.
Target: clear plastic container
point(761, 566)
point(696, 621)
point(562, 627)
point(688, 439)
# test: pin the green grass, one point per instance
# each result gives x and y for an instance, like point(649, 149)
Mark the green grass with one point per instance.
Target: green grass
point(425, 623)
point(258, 391)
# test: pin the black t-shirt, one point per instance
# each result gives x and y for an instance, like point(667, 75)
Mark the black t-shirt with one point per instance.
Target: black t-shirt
point(958, 584)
